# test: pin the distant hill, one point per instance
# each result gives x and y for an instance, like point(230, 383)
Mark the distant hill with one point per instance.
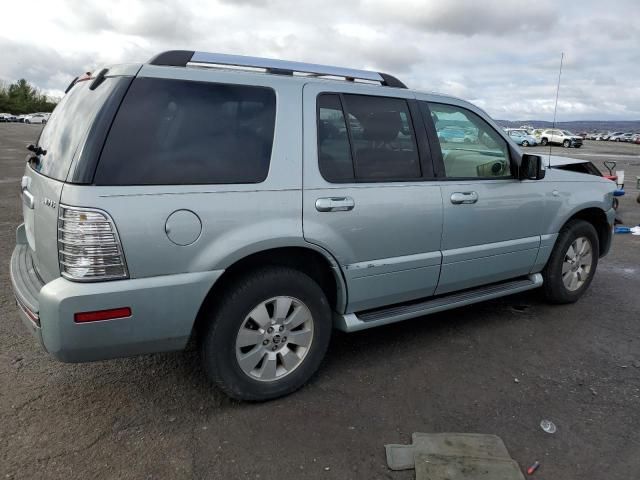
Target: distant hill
point(579, 125)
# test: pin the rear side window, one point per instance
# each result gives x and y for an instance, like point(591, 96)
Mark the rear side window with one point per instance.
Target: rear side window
point(176, 132)
point(366, 138)
point(69, 123)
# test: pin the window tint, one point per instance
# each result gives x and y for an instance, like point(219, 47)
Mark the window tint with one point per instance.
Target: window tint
point(470, 147)
point(334, 152)
point(377, 144)
point(382, 136)
point(181, 132)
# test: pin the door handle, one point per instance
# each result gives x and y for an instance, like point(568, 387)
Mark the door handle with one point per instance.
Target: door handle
point(335, 204)
point(459, 198)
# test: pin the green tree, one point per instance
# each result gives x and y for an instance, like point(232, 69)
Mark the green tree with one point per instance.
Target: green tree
point(21, 97)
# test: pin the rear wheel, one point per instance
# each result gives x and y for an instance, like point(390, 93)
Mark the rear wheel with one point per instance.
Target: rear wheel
point(268, 334)
point(572, 263)
point(544, 141)
point(525, 143)
point(566, 144)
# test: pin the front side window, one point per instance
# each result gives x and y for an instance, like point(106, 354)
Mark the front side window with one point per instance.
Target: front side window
point(175, 132)
point(470, 146)
point(366, 138)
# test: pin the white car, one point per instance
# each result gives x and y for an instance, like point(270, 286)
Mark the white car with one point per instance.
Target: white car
point(36, 118)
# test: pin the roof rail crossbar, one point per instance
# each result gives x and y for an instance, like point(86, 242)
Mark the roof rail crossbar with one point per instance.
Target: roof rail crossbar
point(181, 58)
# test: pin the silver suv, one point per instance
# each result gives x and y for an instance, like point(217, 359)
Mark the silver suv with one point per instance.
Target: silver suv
point(256, 204)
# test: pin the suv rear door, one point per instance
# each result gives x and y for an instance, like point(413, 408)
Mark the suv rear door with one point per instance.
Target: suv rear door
point(367, 197)
point(492, 220)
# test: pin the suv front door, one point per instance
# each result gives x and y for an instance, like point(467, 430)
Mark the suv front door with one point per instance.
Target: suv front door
point(366, 197)
point(491, 227)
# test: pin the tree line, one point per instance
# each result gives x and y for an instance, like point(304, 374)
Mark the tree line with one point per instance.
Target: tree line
point(21, 97)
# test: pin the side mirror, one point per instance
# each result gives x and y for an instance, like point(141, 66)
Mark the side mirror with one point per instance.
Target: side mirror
point(531, 167)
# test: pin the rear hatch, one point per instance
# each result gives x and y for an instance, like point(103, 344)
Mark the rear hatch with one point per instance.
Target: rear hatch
point(74, 133)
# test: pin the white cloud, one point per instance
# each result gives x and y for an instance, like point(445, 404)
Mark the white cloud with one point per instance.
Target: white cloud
point(501, 54)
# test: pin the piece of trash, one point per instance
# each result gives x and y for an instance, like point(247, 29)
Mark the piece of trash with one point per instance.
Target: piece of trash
point(593, 391)
point(548, 426)
point(515, 380)
point(622, 230)
point(326, 469)
point(532, 469)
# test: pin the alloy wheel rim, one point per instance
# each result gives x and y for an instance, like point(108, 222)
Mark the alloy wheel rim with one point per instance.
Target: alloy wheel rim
point(274, 338)
point(577, 264)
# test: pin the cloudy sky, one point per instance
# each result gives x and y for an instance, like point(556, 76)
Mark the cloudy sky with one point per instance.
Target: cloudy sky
point(501, 54)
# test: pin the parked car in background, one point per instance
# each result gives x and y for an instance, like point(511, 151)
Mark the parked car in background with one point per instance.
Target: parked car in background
point(36, 118)
point(522, 138)
point(626, 137)
point(537, 133)
point(4, 117)
point(636, 138)
point(260, 234)
point(583, 135)
point(560, 137)
point(616, 137)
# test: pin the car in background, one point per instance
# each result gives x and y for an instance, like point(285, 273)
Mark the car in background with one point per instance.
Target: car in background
point(537, 133)
point(583, 135)
point(627, 137)
point(565, 138)
point(599, 136)
point(522, 138)
point(636, 138)
point(36, 118)
point(4, 117)
point(616, 137)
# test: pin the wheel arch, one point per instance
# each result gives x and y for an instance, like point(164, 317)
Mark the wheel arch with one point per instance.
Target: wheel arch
point(598, 218)
point(310, 259)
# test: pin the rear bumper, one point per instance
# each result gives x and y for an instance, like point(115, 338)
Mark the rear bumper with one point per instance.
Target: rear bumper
point(163, 312)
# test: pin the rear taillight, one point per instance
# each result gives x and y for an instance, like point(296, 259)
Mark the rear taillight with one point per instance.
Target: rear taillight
point(88, 245)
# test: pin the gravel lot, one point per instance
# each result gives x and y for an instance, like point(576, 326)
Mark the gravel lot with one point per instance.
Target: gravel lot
point(157, 417)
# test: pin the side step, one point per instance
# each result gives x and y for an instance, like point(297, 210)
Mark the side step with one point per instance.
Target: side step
point(353, 322)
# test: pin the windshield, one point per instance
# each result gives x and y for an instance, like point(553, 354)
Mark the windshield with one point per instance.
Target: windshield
point(68, 125)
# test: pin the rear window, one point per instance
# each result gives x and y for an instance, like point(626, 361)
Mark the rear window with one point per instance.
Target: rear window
point(68, 125)
point(176, 132)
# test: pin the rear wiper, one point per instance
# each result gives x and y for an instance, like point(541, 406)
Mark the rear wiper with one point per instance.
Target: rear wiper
point(37, 150)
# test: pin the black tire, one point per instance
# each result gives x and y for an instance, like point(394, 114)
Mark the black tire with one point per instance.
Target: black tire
point(225, 317)
point(525, 143)
point(566, 144)
point(554, 288)
point(544, 141)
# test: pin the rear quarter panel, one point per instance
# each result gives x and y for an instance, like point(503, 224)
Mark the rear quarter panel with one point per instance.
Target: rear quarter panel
point(236, 219)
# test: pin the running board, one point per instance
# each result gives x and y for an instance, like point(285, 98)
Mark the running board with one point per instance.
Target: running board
point(352, 322)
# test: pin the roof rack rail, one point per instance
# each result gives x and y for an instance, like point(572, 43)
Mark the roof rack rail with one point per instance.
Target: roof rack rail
point(181, 58)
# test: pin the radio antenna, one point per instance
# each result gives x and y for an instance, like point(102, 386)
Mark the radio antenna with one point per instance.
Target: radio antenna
point(555, 108)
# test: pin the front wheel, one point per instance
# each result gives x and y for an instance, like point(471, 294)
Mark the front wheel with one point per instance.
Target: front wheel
point(267, 335)
point(544, 142)
point(566, 144)
point(525, 143)
point(572, 264)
